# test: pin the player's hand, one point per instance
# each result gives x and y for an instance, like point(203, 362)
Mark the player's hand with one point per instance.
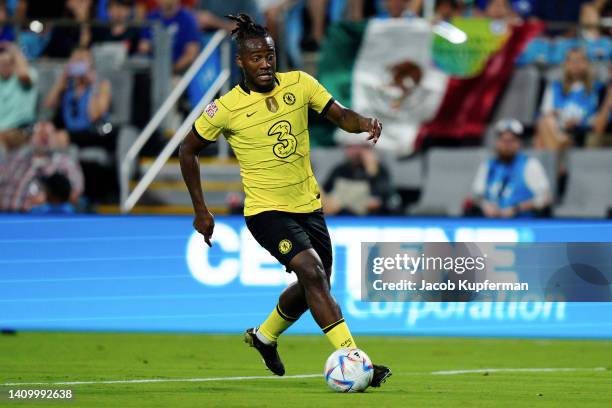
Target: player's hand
point(374, 129)
point(204, 223)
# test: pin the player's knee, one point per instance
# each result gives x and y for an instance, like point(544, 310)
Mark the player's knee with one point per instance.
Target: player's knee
point(312, 274)
point(328, 272)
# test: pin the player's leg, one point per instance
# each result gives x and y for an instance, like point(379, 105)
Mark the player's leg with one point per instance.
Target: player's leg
point(290, 307)
point(283, 237)
point(313, 269)
point(315, 226)
point(293, 300)
point(311, 274)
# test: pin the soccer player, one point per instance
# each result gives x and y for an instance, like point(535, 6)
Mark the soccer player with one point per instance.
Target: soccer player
point(265, 121)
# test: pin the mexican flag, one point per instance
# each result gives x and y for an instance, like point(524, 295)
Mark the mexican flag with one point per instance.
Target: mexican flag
point(417, 79)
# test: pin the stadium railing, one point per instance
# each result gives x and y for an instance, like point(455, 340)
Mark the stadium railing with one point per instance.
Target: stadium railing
point(129, 199)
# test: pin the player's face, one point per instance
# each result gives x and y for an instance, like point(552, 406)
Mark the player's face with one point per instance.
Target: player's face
point(258, 62)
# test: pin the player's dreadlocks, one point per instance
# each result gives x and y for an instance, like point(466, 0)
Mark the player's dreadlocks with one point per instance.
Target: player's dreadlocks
point(246, 29)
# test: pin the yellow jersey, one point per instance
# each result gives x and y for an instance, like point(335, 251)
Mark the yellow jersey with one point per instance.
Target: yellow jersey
point(268, 133)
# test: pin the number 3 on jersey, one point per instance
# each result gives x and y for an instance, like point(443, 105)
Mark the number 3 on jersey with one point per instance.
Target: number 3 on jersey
point(287, 143)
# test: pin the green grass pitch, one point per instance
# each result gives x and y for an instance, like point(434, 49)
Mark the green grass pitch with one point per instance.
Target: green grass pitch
point(54, 357)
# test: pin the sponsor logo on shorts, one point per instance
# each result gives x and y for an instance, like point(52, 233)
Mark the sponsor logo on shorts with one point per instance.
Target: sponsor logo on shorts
point(285, 246)
point(211, 109)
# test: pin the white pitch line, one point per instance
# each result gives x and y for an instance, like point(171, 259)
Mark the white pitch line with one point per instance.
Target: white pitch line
point(274, 377)
point(167, 380)
point(515, 370)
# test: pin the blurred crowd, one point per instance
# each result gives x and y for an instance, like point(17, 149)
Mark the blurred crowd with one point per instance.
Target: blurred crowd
point(41, 171)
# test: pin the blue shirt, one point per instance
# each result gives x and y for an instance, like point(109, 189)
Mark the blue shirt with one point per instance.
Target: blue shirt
point(75, 109)
point(598, 49)
point(506, 185)
point(184, 27)
point(7, 33)
point(578, 104)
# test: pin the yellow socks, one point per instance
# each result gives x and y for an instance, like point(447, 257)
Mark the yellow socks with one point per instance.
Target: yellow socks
point(339, 335)
point(274, 325)
point(277, 322)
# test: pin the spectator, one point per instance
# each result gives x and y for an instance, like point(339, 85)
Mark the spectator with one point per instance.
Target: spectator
point(445, 9)
point(498, 10)
point(602, 125)
point(119, 16)
point(604, 9)
point(511, 184)
point(186, 39)
point(569, 105)
point(12, 140)
point(145, 7)
point(82, 102)
point(45, 155)
point(17, 90)
point(65, 38)
point(6, 31)
point(54, 198)
point(396, 9)
point(598, 47)
point(359, 186)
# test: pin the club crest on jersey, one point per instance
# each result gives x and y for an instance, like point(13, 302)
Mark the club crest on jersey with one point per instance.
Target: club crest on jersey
point(289, 98)
point(211, 109)
point(285, 246)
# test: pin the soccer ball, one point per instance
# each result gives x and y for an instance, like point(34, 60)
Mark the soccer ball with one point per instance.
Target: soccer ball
point(348, 370)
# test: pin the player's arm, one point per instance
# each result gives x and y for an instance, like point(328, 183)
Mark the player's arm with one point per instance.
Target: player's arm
point(189, 152)
point(352, 122)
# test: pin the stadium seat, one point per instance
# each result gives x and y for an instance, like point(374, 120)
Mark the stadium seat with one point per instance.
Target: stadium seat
point(109, 56)
point(589, 189)
point(406, 174)
point(521, 96)
point(122, 85)
point(519, 101)
point(553, 73)
point(323, 160)
point(448, 180)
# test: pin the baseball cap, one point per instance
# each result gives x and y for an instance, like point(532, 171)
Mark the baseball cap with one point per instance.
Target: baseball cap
point(509, 125)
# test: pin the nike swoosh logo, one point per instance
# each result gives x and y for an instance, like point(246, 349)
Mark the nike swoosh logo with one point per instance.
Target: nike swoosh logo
point(251, 114)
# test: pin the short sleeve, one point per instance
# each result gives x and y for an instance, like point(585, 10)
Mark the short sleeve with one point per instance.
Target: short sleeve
point(211, 122)
point(190, 26)
point(317, 97)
